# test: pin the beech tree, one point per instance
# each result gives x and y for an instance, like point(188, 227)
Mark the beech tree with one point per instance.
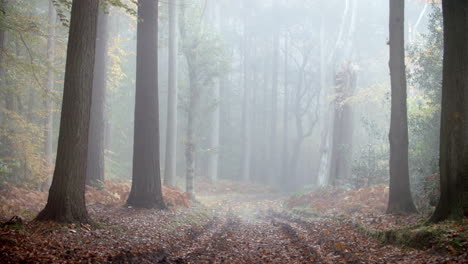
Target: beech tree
point(400, 200)
point(95, 169)
point(50, 84)
point(453, 203)
point(171, 143)
point(146, 178)
point(2, 46)
point(66, 201)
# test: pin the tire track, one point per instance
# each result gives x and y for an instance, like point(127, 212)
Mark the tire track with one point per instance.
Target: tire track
point(211, 243)
point(330, 244)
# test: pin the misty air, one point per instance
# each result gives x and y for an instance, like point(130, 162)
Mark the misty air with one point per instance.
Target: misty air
point(224, 131)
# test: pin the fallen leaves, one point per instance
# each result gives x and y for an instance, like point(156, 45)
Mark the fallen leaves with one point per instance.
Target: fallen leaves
point(255, 228)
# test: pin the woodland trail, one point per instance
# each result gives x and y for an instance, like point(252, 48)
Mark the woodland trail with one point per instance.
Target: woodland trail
point(223, 228)
point(256, 231)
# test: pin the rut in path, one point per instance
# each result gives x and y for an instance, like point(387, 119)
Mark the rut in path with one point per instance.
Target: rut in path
point(264, 232)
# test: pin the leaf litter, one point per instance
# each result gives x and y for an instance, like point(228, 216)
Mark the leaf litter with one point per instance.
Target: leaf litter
point(260, 227)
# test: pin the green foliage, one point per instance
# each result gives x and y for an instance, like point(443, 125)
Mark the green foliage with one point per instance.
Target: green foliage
point(63, 8)
point(425, 79)
point(23, 93)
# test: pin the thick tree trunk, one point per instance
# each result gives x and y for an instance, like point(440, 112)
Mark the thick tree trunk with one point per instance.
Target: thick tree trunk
point(146, 181)
point(400, 200)
point(66, 202)
point(453, 202)
point(95, 170)
point(48, 103)
point(171, 135)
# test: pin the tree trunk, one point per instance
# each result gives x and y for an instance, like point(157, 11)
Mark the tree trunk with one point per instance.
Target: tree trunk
point(323, 167)
point(400, 200)
point(285, 155)
point(146, 181)
point(273, 177)
point(48, 102)
point(341, 150)
point(2, 69)
point(95, 170)
point(190, 146)
point(246, 144)
point(213, 158)
point(453, 202)
point(66, 202)
point(171, 135)
point(214, 134)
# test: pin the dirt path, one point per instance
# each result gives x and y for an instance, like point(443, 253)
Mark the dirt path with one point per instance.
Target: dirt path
point(258, 231)
point(252, 229)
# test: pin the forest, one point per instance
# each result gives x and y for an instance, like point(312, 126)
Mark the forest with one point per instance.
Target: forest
point(223, 131)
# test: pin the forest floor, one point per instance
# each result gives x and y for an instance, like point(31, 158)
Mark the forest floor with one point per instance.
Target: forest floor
point(232, 224)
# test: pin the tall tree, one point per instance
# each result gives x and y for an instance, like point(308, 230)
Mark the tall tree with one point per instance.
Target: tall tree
point(193, 101)
point(50, 84)
point(3, 4)
point(274, 97)
point(342, 138)
point(400, 200)
point(95, 169)
point(213, 158)
point(146, 179)
point(453, 163)
point(171, 141)
point(285, 155)
point(246, 133)
point(66, 201)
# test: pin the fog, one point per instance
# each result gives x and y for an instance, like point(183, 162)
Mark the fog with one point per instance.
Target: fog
point(274, 75)
point(221, 131)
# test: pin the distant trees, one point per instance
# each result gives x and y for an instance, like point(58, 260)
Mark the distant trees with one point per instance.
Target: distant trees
point(95, 169)
point(453, 202)
point(146, 179)
point(50, 84)
point(171, 135)
point(400, 200)
point(66, 201)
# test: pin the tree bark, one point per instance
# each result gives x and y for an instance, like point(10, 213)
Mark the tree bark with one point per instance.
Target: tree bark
point(146, 181)
point(400, 200)
point(95, 169)
point(273, 175)
point(453, 202)
point(49, 120)
point(66, 201)
point(285, 155)
point(213, 158)
point(246, 135)
point(3, 4)
point(171, 135)
point(190, 146)
point(341, 150)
